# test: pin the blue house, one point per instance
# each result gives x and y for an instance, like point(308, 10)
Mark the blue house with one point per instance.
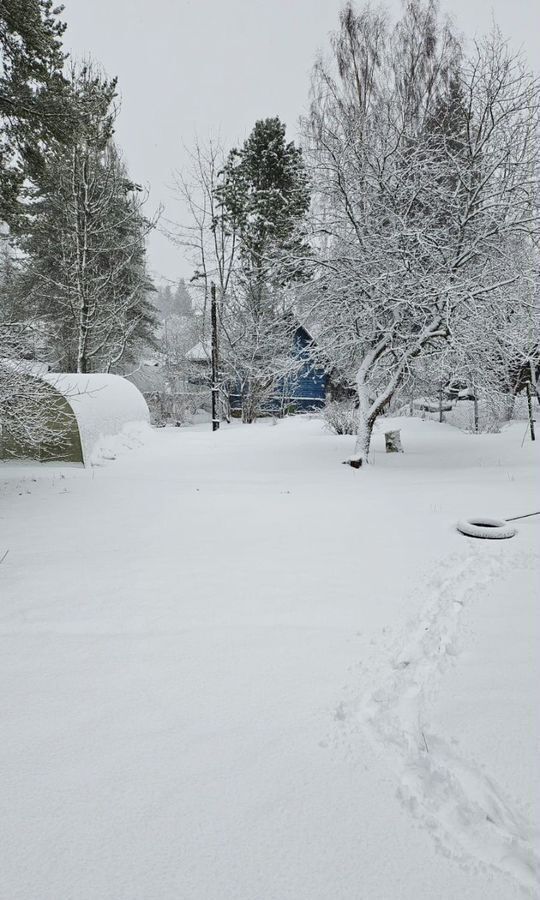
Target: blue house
point(304, 391)
point(307, 390)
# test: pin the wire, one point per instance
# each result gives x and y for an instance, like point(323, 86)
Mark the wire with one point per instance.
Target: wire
point(526, 516)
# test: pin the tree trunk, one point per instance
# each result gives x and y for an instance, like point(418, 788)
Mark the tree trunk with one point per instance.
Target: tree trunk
point(366, 420)
point(215, 359)
point(509, 403)
point(249, 405)
point(360, 456)
point(369, 410)
point(80, 198)
point(82, 362)
point(475, 405)
point(534, 382)
point(476, 418)
point(530, 411)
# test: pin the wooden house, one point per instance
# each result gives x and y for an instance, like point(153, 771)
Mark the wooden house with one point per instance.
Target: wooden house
point(303, 391)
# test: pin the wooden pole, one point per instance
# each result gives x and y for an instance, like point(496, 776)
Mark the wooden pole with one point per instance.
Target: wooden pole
point(215, 358)
point(532, 370)
point(475, 405)
point(529, 406)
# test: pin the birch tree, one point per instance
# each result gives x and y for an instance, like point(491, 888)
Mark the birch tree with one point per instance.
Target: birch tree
point(84, 240)
point(210, 241)
point(208, 237)
point(425, 166)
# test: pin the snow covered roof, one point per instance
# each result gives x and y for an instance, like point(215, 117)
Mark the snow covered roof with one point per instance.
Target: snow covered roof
point(24, 366)
point(148, 377)
point(102, 404)
point(201, 352)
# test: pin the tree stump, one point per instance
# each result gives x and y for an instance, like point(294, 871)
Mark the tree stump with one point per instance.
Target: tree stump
point(392, 440)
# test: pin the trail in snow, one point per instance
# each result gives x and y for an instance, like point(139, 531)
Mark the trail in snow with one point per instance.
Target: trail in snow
point(462, 807)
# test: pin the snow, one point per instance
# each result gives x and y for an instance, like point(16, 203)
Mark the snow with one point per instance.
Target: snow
point(234, 668)
point(104, 406)
point(24, 366)
point(462, 413)
point(201, 352)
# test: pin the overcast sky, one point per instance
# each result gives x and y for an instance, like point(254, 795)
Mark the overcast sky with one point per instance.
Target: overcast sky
point(202, 67)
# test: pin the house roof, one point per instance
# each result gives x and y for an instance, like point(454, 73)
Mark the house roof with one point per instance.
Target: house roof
point(25, 366)
point(201, 352)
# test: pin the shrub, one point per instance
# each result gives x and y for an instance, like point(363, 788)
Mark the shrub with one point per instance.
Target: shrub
point(340, 417)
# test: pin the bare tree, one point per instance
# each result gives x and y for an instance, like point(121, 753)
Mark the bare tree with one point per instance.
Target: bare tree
point(254, 313)
point(209, 240)
point(425, 166)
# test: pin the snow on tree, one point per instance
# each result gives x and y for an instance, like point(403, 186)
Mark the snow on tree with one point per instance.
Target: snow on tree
point(83, 238)
point(264, 195)
point(34, 110)
point(490, 355)
point(75, 290)
point(177, 302)
point(248, 234)
point(34, 102)
point(425, 171)
point(495, 349)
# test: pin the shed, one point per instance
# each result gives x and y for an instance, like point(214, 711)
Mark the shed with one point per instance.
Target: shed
point(83, 409)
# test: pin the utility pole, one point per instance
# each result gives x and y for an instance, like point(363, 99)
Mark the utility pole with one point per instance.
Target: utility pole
point(530, 410)
point(215, 358)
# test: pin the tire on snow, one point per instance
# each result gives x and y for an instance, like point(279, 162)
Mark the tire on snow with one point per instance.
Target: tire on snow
point(486, 527)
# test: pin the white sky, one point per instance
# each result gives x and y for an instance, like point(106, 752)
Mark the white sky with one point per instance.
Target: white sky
point(203, 67)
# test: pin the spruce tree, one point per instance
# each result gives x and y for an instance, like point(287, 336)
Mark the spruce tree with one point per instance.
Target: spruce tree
point(182, 304)
point(35, 105)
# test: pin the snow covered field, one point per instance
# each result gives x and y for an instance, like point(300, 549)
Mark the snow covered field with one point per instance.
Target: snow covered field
point(234, 669)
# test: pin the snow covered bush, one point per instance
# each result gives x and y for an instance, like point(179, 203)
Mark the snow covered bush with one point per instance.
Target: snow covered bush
point(488, 415)
point(175, 408)
point(484, 419)
point(340, 417)
point(30, 414)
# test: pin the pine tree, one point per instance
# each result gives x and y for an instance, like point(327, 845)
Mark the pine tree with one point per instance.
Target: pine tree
point(263, 197)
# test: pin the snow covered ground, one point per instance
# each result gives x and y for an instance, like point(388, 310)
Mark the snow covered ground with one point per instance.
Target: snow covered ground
point(234, 669)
